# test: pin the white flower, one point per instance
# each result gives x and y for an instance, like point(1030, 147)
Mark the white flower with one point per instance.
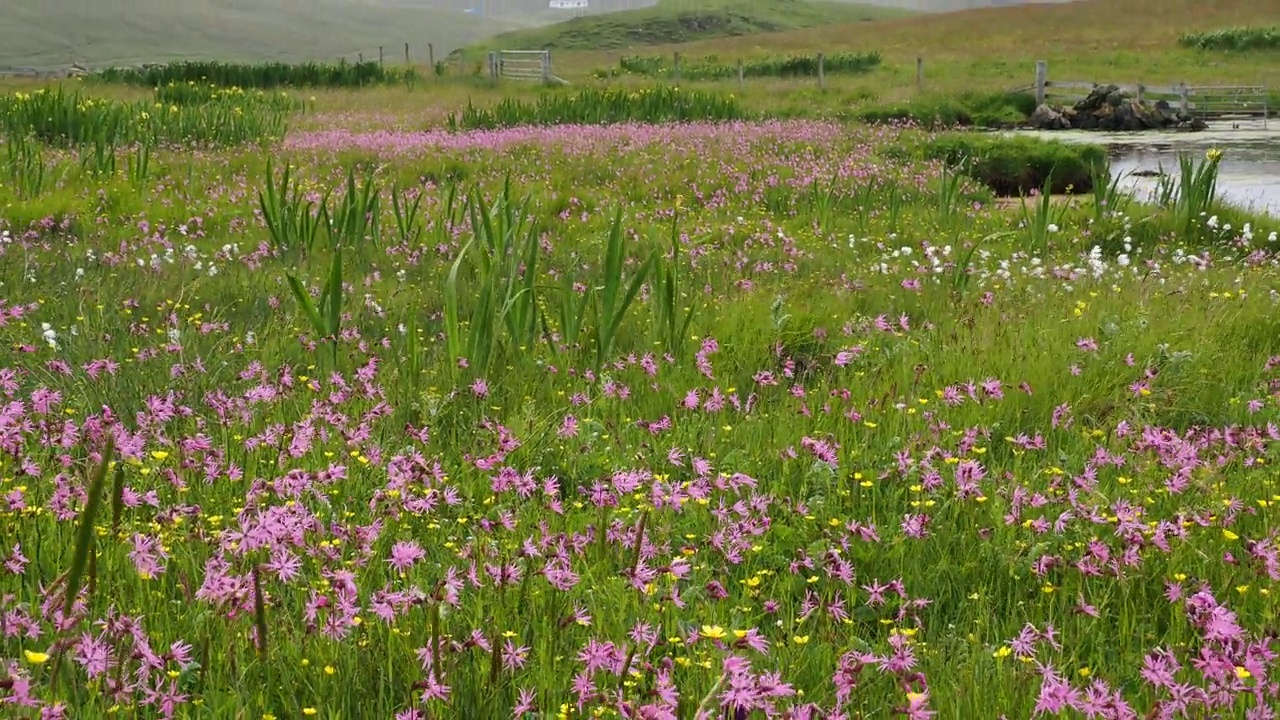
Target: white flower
point(49, 334)
point(1053, 228)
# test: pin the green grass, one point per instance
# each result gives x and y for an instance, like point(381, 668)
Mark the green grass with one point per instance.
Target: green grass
point(672, 21)
point(714, 68)
point(980, 109)
point(1239, 39)
point(56, 33)
point(185, 115)
point(995, 49)
point(1018, 165)
point(261, 75)
point(679, 389)
point(603, 107)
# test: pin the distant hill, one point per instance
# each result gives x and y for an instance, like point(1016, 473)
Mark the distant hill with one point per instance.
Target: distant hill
point(1122, 41)
point(680, 21)
point(938, 6)
point(54, 34)
point(49, 34)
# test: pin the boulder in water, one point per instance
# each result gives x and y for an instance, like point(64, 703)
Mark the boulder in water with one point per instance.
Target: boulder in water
point(1110, 108)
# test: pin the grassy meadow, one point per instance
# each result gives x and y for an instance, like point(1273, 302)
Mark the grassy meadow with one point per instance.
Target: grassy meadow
point(446, 400)
point(992, 49)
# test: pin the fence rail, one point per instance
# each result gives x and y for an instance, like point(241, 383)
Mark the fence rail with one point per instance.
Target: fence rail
point(522, 65)
point(1211, 102)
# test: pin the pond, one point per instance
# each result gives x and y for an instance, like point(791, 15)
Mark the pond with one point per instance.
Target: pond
point(1248, 177)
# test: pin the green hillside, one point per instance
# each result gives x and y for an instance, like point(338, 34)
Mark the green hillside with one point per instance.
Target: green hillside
point(55, 33)
point(677, 21)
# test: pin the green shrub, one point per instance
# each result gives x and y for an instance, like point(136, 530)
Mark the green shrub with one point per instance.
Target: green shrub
point(260, 75)
point(603, 107)
point(1236, 39)
point(713, 68)
point(1013, 166)
point(69, 119)
point(989, 110)
point(192, 93)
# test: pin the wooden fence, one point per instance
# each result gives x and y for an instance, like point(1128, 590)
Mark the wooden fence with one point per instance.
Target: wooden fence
point(522, 65)
point(1211, 102)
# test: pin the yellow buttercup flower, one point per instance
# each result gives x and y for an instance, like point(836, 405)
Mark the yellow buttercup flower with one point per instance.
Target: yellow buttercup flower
point(715, 632)
point(36, 658)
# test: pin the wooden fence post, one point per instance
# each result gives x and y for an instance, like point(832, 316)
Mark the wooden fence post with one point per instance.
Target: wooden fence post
point(406, 54)
point(360, 57)
point(431, 55)
point(546, 67)
point(381, 57)
point(1042, 79)
point(740, 75)
point(919, 73)
point(1142, 89)
point(822, 76)
point(675, 68)
point(1184, 97)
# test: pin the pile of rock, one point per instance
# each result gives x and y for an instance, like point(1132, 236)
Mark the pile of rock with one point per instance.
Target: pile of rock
point(1109, 108)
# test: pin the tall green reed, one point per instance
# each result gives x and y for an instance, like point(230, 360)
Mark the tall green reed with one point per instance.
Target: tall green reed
point(615, 294)
point(341, 74)
point(83, 554)
point(503, 255)
point(1040, 223)
point(1192, 194)
point(672, 327)
point(293, 220)
point(1108, 197)
point(408, 215)
point(714, 68)
point(325, 315)
point(205, 94)
point(601, 107)
point(71, 119)
point(139, 166)
point(26, 164)
point(356, 215)
point(950, 197)
point(293, 223)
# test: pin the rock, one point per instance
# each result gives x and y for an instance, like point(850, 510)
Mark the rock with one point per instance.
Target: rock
point(1047, 118)
point(1110, 108)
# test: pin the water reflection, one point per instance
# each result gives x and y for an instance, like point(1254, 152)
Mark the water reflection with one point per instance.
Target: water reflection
point(1248, 177)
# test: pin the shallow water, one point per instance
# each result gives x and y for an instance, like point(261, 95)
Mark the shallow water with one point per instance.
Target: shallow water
point(1248, 177)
